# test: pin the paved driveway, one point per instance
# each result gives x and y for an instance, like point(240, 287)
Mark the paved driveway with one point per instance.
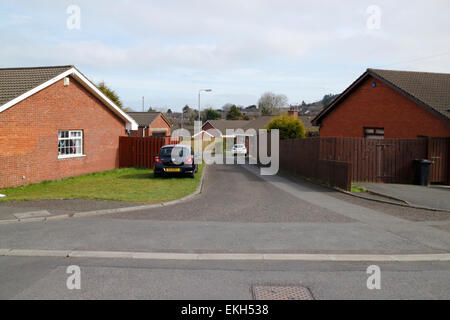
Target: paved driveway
point(437, 197)
point(233, 194)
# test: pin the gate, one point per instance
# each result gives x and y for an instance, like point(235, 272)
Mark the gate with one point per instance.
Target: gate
point(438, 152)
point(385, 162)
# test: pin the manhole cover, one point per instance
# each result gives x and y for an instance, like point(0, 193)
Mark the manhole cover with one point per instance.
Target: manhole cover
point(281, 293)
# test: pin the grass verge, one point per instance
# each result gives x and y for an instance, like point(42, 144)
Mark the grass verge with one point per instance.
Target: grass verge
point(356, 188)
point(130, 185)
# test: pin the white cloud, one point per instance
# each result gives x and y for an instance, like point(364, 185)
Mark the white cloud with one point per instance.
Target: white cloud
point(16, 19)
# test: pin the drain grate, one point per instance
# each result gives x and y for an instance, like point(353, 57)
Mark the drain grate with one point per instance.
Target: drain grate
point(281, 293)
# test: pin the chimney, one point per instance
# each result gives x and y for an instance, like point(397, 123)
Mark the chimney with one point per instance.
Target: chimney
point(293, 113)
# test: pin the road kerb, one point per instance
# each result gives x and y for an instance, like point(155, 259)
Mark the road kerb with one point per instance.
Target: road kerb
point(214, 256)
point(37, 253)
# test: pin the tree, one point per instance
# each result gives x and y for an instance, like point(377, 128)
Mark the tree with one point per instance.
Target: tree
point(226, 107)
point(186, 108)
point(234, 113)
point(151, 109)
point(169, 111)
point(192, 116)
point(210, 114)
point(290, 127)
point(110, 93)
point(328, 99)
point(270, 102)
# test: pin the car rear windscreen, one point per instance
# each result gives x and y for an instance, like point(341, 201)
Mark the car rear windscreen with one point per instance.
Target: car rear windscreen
point(179, 151)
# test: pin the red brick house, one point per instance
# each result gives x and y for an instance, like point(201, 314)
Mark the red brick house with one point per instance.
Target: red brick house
point(55, 123)
point(390, 104)
point(151, 124)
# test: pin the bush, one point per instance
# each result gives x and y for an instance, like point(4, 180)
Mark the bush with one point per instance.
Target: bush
point(290, 127)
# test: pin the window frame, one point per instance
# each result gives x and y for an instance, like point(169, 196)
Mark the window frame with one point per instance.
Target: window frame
point(375, 133)
point(70, 138)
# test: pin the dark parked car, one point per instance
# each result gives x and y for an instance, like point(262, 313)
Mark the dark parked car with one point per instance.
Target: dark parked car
point(175, 159)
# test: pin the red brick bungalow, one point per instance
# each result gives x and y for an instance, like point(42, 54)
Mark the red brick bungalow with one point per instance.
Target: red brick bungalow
point(151, 124)
point(390, 104)
point(55, 123)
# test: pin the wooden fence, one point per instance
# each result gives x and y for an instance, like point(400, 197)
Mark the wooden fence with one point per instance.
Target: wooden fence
point(339, 161)
point(141, 152)
point(302, 157)
point(388, 160)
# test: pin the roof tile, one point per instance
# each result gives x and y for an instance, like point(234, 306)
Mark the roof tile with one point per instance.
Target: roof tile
point(16, 81)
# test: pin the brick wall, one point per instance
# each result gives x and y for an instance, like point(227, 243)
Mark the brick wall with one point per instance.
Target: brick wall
point(382, 107)
point(29, 135)
point(138, 133)
point(159, 123)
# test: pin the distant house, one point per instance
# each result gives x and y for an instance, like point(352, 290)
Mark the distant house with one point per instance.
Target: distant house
point(151, 124)
point(390, 104)
point(55, 123)
point(218, 128)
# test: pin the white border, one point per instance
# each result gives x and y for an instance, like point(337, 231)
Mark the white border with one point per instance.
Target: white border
point(130, 122)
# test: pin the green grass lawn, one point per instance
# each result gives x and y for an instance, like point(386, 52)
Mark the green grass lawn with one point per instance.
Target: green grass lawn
point(356, 188)
point(131, 185)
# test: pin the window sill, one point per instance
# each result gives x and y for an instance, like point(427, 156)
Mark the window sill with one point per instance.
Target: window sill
point(71, 156)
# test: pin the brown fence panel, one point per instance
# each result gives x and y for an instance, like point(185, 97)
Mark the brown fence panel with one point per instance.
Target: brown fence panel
point(387, 160)
point(335, 173)
point(140, 152)
point(301, 157)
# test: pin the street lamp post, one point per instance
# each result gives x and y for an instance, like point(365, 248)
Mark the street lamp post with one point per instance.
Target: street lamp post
point(200, 91)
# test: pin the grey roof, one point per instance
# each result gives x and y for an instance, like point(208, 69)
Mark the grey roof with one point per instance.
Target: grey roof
point(259, 123)
point(16, 81)
point(430, 90)
point(307, 122)
point(144, 119)
point(223, 125)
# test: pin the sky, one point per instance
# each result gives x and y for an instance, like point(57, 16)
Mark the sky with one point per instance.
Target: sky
point(168, 50)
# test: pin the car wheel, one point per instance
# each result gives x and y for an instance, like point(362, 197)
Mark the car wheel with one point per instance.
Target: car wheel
point(156, 174)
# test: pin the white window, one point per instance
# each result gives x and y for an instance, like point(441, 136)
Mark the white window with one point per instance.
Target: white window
point(70, 144)
point(374, 133)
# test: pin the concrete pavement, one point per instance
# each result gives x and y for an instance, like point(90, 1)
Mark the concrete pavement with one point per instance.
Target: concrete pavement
point(436, 197)
point(44, 208)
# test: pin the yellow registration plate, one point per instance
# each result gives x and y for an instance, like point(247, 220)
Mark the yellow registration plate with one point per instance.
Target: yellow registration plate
point(173, 169)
